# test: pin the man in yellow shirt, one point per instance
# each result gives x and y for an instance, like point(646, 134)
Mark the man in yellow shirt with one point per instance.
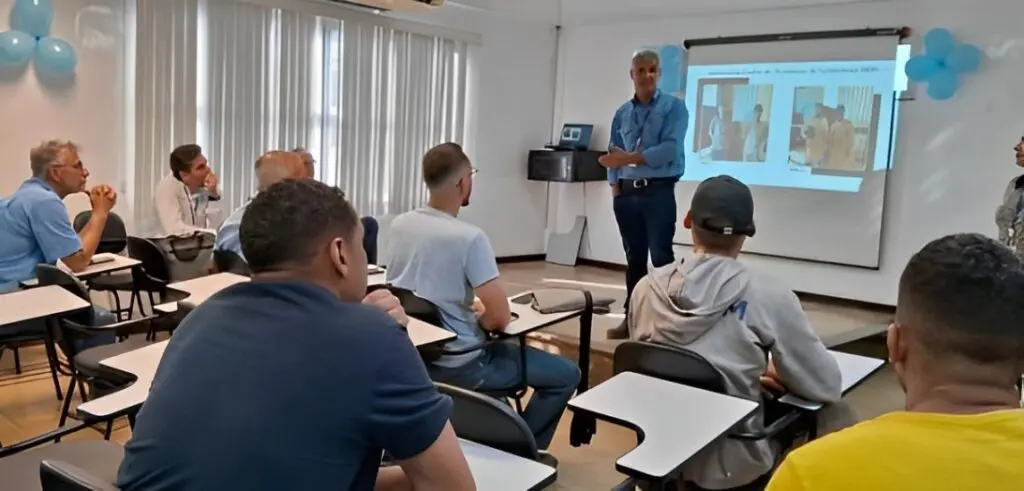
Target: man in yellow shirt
point(956, 347)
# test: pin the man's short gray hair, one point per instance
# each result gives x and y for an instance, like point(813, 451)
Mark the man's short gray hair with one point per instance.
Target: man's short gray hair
point(271, 169)
point(648, 56)
point(44, 157)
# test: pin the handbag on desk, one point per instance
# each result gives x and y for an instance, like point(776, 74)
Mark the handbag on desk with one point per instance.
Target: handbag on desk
point(188, 256)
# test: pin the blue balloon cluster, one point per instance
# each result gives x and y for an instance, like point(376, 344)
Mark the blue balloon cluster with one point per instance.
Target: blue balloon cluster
point(30, 36)
point(942, 63)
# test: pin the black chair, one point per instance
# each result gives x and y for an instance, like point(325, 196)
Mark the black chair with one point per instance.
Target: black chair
point(229, 262)
point(84, 364)
point(370, 231)
point(113, 240)
point(21, 463)
point(481, 419)
point(682, 366)
point(419, 308)
point(55, 475)
point(151, 276)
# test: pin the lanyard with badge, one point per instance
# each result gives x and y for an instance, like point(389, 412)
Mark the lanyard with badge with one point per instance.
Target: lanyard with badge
point(193, 204)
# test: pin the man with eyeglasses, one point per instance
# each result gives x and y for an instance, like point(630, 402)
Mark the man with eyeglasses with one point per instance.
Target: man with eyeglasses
point(183, 196)
point(34, 223)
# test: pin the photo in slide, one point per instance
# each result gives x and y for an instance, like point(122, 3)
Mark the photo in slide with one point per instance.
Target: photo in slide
point(834, 138)
point(733, 118)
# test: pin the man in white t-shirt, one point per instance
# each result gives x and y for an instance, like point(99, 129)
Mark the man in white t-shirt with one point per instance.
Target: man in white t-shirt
point(183, 196)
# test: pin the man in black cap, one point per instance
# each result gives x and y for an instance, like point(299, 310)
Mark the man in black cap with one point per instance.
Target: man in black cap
point(714, 306)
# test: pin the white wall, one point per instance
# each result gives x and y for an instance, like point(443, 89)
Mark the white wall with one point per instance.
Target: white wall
point(90, 111)
point(953, 158)
point(511, 114)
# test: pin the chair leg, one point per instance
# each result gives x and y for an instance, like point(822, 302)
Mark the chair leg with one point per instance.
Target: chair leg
point(17, 360)
point(51, 356)
point(65, 409)
point(117, 306)
point(110, 428)
point(82, 392)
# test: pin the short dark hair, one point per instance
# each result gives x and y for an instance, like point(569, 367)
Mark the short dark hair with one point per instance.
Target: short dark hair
point(182, 157)
point(442, 162)
point(964, 295)
point(285, 223)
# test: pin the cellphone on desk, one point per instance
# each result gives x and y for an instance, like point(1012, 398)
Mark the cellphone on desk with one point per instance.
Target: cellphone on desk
point(525, 299)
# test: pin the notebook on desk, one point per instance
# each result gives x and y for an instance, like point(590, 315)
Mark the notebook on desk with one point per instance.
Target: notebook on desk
point(102, 258)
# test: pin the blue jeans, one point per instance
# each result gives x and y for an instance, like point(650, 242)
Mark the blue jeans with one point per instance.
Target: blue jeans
point(647, 223)
point(496, 371)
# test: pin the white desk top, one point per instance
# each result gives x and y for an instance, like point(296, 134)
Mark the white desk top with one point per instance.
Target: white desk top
point(113, 262)
point(142, 363)
point(494, 470)
point(204, 287)
point(530, 320)
point(854, 369)
point(676, 421)
point(378, 278)
point(423, 334)
point(38, 303)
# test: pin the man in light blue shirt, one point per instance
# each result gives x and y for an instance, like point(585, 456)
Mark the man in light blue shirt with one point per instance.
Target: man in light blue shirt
point(34, 224)
point(450, 262)
point(644, 161)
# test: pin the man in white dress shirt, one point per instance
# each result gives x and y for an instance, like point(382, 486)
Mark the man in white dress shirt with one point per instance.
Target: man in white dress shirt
point(183, 196)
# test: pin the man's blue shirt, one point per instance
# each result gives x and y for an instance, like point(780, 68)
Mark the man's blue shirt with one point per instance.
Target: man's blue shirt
point(657, 129)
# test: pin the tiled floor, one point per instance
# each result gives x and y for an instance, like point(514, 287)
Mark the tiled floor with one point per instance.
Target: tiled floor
point(28, 406)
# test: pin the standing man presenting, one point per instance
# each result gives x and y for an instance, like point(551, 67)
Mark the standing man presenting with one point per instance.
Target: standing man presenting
point(644, 163)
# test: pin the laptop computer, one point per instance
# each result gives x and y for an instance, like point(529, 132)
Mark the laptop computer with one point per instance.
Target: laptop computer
point(574, 137)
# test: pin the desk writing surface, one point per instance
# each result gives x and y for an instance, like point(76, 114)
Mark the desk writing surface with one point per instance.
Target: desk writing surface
point(142, 363)
point(107, 263)
point(204, 287)
point(853, 369)
point(38, 303)
point(494, 470)
point(530, 320)
point(423, 334)
point(677, 420)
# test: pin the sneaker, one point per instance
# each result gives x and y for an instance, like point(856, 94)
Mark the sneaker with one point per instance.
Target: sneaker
point(619, 332)
point(547, 459)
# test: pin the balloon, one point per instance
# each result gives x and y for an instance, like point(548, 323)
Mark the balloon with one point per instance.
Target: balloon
point(32, 16)
point(921, 67)
point(943, 85)
point(965, 58)
point(16, 48)
point(56, 55)
point(938, 43)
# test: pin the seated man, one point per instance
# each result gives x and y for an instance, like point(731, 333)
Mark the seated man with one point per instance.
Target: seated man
point(370, 226)
point(183, 196)
point(271, 168)
point(446, 261)
point(956, 348)
point(288, 382)
point(34, 224)
point(714, 306)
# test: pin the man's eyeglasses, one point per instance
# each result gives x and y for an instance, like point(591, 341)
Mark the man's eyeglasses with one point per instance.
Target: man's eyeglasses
point(77, 166)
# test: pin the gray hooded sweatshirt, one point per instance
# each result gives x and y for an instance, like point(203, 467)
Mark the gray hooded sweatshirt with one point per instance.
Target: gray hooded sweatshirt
point(714, 306)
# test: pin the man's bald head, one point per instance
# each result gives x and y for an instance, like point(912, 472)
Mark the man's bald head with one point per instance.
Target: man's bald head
point(278, 165)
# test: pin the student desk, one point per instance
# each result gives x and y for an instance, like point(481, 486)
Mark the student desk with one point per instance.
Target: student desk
point(101, 264)
point(38, 303)
point(195, 291)
point(674, 421)
point(527, 320)
point(854, 369)
point(494, 470)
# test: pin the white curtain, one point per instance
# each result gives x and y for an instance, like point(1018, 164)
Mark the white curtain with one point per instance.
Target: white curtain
point(238, 78)
point(165, 94)
point(387, 97)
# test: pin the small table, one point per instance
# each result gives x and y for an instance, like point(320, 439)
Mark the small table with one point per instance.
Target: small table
point(528, 320)
point(675, 421)
point(424, 335)
point(38, 303)
point(494, 470)
point(141, 363)
point(101, 264)
point(197, 290)
point(854, 369)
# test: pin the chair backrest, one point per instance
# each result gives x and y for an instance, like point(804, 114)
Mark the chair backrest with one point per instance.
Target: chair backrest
point(114, 237)
point(60, 476)
point(417, 307)
point(671, 363)
point(153, 273)
point(487, 421)
point(229, 262)
point(67, 324)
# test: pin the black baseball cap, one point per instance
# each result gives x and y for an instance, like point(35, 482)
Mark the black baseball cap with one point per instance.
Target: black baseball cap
point(723, 205)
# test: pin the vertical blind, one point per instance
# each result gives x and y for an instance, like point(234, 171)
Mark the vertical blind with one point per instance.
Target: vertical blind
point(240, 79)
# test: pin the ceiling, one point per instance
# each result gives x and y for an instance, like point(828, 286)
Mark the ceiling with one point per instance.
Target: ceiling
point(588, 12)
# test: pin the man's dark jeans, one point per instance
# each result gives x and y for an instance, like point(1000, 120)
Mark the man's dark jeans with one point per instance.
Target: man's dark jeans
point(647, 223)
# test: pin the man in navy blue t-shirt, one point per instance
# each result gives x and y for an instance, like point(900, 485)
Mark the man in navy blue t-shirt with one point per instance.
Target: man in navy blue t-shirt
point(288, 382)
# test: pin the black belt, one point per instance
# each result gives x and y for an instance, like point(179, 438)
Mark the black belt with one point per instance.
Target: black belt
point(638, 184)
